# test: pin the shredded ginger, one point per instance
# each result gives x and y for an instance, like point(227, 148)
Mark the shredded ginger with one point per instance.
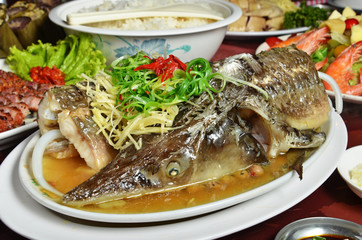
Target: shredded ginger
point(118, 131)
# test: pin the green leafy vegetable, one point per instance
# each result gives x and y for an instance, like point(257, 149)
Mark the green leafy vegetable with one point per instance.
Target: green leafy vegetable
point(73, 55)
point(305, 16)
point(320, 54)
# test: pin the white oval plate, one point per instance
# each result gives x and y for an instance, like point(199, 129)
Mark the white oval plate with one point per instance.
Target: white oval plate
point(245, 35)
point(27, 180)
point(30, 219)
point(7, 138)
point(348, 98)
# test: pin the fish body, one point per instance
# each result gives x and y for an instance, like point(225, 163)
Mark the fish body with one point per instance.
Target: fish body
point(297, 102)
point(235, 129)
point(67, 108)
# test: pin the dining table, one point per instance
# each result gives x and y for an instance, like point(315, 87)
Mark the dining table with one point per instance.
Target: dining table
point(332, 199)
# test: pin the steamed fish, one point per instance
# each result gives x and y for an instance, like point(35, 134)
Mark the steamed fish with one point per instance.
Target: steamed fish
point(67, 109)
point(234, 129)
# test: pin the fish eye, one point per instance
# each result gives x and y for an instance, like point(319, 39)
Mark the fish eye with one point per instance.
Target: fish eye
point(173, 169)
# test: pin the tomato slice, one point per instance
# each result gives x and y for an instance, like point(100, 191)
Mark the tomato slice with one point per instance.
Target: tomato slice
point(351, 22)
point(271, 41)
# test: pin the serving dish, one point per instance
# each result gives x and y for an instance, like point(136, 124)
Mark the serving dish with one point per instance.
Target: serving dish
point(309, 227)
point(31, 176)
point(185, 43)
point(30, 219)
point(9, 137)
point(348, 98)
point(350, 158)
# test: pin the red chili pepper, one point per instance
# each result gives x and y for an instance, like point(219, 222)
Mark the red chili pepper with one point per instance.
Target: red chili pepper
point(47, 75)
point(164, 67)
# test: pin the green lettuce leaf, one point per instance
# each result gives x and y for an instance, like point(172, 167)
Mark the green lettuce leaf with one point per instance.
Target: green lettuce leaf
point(74, 55)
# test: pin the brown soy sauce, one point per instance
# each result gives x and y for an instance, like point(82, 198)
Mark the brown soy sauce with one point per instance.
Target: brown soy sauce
point(327, 237)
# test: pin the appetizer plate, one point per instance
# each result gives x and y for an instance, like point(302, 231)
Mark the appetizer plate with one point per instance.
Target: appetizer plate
point(245, 35)
point(8, 138)
point(348, 98)
point(30, 219)
point(31, 186)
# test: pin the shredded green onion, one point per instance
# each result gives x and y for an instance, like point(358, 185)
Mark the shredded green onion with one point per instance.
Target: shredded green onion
point(141, 90)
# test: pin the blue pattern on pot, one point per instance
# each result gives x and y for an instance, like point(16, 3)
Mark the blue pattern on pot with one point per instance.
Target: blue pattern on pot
point(149, 46)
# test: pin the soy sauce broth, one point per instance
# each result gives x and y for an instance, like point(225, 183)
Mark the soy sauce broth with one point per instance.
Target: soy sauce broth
point(327, 237)
point(65, 174)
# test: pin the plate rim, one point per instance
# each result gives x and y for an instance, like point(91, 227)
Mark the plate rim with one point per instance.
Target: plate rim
point(12, 132)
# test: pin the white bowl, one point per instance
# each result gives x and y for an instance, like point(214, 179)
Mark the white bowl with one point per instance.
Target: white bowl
point(350, 158)
point(186, 43)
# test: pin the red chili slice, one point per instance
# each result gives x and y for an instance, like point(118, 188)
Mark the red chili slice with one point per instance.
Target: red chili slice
point(164, 67)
